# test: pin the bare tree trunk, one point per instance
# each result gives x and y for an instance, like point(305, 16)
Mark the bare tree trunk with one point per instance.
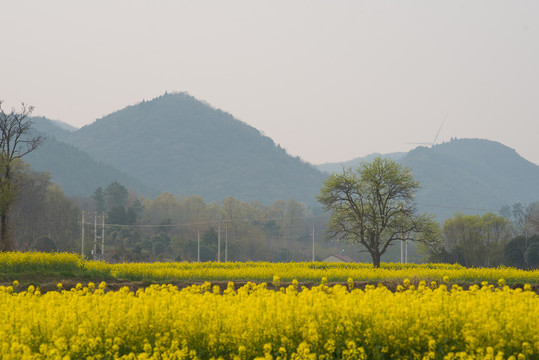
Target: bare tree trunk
point(376, 257)
point(6, 243)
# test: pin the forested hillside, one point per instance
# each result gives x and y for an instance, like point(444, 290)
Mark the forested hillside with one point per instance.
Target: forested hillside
point(472, 176)
point(52, 128)
point(211, 168)
point(74, 170)
point(179, 144)
point(465, 175)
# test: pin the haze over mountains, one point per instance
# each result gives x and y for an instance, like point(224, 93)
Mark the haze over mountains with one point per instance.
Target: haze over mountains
point(179, 144)
point(467, 175)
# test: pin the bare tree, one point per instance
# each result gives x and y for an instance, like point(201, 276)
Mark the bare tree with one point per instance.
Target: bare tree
point(15, 142)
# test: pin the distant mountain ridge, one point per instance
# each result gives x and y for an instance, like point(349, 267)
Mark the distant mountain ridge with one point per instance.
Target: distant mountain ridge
point(471, 175)
point(181, 145)
point(466, 175)
point(178, 144)
point(52, 128)
point(76, 171)
point(338, 166)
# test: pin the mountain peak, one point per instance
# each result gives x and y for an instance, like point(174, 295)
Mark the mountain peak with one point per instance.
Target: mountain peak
point(182, 145)
point(179, 144)
point(471, 175)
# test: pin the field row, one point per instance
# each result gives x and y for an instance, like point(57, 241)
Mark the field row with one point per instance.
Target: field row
point(429, 321)
point(18, 263)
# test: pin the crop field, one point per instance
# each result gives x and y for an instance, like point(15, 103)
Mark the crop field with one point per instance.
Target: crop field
point(12, 265)
point(272, 316)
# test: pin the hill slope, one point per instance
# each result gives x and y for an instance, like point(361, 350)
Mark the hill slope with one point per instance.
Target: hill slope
point(52, 128)
point(466, 175)
point(178, 144)
point(75, 171)
point(472, 176)
point(337, 166)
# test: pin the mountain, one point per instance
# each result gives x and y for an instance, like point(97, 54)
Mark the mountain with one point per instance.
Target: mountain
point(338, 166)
point(74, 170)
point(471, 176)
point(52, 128)
point(466, 175)
point(178, 144)
point(64, 126)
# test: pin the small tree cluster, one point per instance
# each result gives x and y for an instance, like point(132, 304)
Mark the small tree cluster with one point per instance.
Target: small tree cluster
point(473, 240)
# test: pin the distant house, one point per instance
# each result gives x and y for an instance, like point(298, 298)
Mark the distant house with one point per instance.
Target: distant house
point(338, 258)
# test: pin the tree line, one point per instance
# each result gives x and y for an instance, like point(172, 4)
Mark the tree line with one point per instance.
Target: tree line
point(171, 227)
point(166, 228)
point(490, 240)
point(35, 214)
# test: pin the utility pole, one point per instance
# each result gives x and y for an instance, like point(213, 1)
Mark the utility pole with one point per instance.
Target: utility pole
point(82, 231)
point(402, 252)
point(101, 254)
point(219, 242)
point(95, 235)
point(313, 241)
point(103, 237)
point(226, 241)
point(198, 245)
point(406, 251)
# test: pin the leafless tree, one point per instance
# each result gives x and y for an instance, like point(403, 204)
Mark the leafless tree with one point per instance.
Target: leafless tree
point(16, 141)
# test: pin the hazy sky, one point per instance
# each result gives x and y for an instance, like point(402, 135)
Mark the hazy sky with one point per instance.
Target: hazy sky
point(327, 80)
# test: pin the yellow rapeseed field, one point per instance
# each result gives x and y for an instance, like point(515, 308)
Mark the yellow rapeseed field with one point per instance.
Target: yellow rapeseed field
point(205, 322)
point(429, 316)
point(14, 262)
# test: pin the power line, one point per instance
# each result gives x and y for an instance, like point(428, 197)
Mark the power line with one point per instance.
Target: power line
point(265, 220)
point(203, 222)
point(457, 207)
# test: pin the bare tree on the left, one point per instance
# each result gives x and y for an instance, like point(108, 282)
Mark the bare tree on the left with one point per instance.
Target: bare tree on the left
point(16, 141)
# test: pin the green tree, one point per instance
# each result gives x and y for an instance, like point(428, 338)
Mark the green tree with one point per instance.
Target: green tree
point(160, 243)
point(514, 251)
point(16, 141)
point(44, 244)
point(208, 246)
point(131, 216)
point(117, 215)
point(115, 194)
point(165, 225)
point(164, 206)
point(374, 206)
point(99, 199)
point(474, 240)
point(522, 252)
point(531, 256)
